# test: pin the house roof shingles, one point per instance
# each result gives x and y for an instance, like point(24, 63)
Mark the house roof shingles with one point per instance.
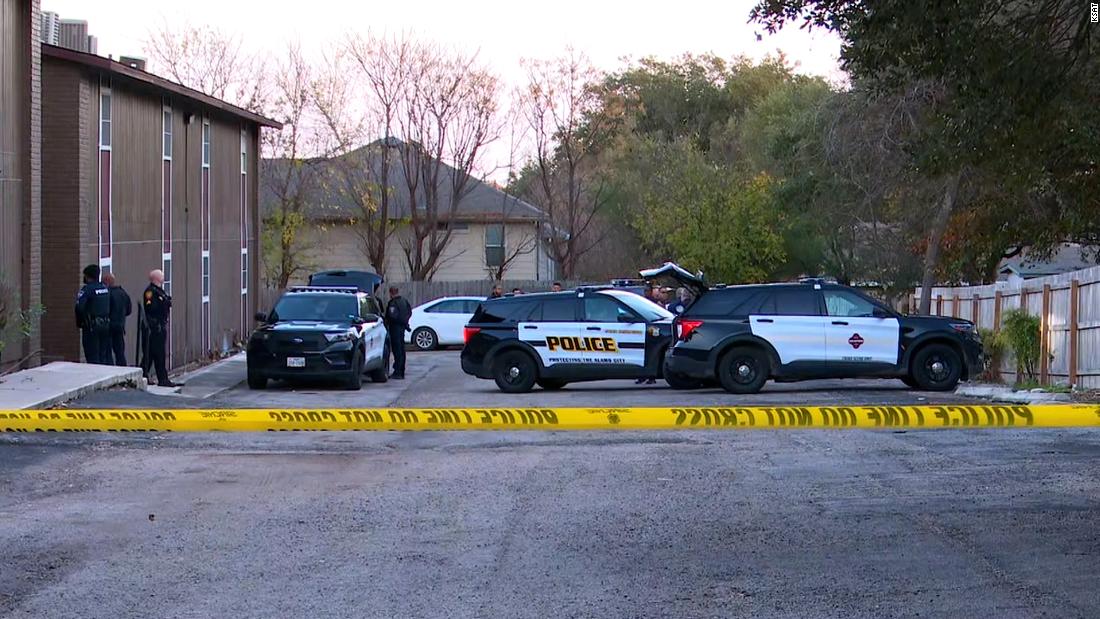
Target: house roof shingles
point(480, 201)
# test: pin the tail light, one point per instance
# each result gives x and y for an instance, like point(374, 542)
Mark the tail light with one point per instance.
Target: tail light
point(469, 332)
point(684, 328)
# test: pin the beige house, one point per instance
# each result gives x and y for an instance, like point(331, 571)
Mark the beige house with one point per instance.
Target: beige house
point(490, 230)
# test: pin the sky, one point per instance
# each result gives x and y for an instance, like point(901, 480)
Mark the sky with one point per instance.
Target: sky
point(501, 32)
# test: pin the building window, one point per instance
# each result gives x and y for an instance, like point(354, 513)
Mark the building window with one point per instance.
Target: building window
point(205, 143)
point(244, 150)
point(454, 226)
point(105, 220)
point(244, 271)
point(167, 138)
point(105, 114)
point(494, 245)
point(206, 277)
point(166, 266)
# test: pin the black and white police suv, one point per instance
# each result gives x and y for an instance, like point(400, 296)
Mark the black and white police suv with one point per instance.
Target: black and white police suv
point(743, 335)
point(319, 332)
point(551, 339)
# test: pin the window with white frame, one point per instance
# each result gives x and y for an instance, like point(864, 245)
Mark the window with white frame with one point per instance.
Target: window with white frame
point(494, 245)
point(106, 224)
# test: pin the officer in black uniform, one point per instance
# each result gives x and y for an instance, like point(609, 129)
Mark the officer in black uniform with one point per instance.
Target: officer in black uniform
point(93, 308)
point(398, 314)
point(157, 306)
point(121, 307)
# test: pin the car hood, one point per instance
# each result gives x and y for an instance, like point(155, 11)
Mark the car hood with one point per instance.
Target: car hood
point(672, 274)
point(305, 326)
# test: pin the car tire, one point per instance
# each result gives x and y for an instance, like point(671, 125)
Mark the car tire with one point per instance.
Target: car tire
point(378, 375)
point(354, 381)
point(743, 370)
point(515, 371)
point(551, 384)
point(256, 380)
point(936, 367)
point(679, 381)
point(424, 338)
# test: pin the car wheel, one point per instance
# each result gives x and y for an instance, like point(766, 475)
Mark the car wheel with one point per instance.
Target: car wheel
point(354, 381)
point(378, 375)
point(936, 367)
point(680, 381)
point(743, 370)
point(256, 380)
point(551, 384)
point(425, 339)
point(515, 372)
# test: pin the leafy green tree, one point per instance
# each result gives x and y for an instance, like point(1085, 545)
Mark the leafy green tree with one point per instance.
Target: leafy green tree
point(694, 213)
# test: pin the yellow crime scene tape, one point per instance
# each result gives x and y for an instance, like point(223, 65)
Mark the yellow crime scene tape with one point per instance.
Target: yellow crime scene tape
point(671, 418)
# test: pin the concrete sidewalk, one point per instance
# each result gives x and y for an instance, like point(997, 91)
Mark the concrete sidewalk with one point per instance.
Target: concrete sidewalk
point(60, 381)
point(208, 381)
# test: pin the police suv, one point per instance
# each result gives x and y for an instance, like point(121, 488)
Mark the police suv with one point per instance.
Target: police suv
point(319, 332)
point(551, 339)
point(743, 335)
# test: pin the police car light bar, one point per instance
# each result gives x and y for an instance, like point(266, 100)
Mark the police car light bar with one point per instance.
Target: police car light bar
point(342, 289)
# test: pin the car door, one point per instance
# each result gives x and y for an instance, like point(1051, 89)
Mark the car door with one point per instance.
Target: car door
point(447, 318)
point(854, 334)
point(373, 327)
point(611, 333)
point(552, 329)
point(790, 319)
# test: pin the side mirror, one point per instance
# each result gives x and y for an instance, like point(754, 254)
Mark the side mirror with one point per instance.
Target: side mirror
point(878, 312)
point(260, 317)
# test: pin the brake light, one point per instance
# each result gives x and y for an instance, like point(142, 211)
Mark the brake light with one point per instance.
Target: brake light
point(684, 328)
point(469, 332)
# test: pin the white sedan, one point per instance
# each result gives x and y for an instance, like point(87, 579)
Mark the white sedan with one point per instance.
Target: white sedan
point(440, 322)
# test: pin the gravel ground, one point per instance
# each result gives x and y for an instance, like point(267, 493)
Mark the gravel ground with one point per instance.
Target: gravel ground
point(976, 523)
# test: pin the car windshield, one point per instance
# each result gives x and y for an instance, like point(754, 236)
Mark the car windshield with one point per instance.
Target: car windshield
point(648, 310)
point(317, 307)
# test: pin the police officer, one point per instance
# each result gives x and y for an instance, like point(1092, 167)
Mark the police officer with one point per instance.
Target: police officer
point(93, 308)
point(157, 306)
point(120, 309)
point(398, 314)
point(498, 292)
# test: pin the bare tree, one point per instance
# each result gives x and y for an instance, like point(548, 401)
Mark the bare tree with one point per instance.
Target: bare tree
point(448, 116)
point(511, 209)
point(209, 61)
point(288, 174)
point(562, 106)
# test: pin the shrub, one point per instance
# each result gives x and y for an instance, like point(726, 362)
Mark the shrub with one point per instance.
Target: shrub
point(1020, 335)
point(993, 348)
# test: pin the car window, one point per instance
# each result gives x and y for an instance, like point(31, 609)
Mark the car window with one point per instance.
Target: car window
point(648, 310)
point(791, 302)
point(451, 306)
point(728, 302)
point(844, 303)
point(318, 308)
point(502, 311)
point(555, 310)
point(598, 308)
point(471, 305)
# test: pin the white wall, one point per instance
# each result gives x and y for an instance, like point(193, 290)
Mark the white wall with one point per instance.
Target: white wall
point(338, 246)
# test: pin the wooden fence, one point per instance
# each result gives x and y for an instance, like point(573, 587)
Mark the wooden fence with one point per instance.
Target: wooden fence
point(1068, 307)
point(422, 292)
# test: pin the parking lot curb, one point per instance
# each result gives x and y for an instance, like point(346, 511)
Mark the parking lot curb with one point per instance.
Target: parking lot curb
point(999, 393)
point(58, 382)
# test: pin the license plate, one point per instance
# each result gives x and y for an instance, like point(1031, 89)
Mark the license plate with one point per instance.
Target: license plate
point(295, 362)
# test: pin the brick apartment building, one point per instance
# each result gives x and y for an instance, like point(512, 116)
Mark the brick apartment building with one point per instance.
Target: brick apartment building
point(104, 163)
point(20, 162)
point(142, 173)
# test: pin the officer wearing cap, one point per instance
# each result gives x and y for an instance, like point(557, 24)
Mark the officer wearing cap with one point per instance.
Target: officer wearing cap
point(93, 310)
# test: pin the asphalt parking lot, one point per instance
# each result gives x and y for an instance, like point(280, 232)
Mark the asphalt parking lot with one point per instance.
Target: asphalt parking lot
point(975, 523)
